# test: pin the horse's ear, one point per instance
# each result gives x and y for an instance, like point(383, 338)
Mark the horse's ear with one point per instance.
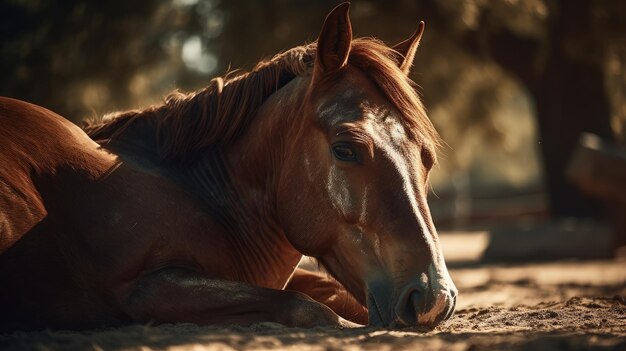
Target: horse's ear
point(333, 44)
point(407, 49)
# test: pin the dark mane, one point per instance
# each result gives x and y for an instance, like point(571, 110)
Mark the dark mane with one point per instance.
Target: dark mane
point(217, 114)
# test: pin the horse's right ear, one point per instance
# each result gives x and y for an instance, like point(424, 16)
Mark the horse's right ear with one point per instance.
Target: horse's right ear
point(407, 49)
point(333, 44)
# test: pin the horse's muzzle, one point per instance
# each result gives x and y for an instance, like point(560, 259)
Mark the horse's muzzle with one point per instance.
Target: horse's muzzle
point(424, 308)
point(415, 305)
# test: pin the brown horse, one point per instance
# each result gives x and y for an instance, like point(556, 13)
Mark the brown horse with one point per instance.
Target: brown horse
point(200, 209)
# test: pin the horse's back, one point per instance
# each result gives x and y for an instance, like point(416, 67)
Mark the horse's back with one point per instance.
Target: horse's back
point(34, 141)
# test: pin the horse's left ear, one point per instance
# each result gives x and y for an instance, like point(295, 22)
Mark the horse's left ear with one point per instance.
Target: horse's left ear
point(407, 49)
point(333, 44)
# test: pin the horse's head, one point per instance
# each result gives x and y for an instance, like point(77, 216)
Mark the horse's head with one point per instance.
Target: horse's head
point(353, 190)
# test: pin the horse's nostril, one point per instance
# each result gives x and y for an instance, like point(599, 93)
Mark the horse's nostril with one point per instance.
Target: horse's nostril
point(423, 308)
point(416, 303)
point(411, 307)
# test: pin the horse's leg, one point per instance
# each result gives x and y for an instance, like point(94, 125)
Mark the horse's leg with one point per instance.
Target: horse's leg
point(180, 295)
point(329, 292)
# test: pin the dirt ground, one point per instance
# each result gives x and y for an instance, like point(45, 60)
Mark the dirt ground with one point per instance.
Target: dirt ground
point(566, 305)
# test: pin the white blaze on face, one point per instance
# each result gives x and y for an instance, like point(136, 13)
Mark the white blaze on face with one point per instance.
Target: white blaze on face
point(389, 139)
point(396, 132)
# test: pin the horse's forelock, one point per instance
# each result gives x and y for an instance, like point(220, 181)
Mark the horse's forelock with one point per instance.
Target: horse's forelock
point(379, 62)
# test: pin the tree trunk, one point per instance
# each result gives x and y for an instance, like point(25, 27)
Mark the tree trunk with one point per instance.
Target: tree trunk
point(568, 89)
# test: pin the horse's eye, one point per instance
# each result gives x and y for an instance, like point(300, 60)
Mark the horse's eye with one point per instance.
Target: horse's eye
point(344, 152)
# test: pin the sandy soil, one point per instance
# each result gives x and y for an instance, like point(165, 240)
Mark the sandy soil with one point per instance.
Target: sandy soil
point(547, 306)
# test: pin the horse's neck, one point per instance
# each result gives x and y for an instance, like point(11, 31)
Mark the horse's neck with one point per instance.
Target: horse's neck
point(237, 183)
point(241, 182)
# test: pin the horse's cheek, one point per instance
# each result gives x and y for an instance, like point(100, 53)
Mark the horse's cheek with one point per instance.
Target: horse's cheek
point(305, 214)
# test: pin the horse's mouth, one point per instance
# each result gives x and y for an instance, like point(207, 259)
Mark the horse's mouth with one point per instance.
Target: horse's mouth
point(375, 315)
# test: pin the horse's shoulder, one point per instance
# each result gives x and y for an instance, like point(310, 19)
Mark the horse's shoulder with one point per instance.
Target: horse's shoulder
point(35, 141)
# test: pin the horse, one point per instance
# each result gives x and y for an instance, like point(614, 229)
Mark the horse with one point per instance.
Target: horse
point(200, 209)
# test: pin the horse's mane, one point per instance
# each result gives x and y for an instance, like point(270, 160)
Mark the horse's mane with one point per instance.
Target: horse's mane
point(216, 115)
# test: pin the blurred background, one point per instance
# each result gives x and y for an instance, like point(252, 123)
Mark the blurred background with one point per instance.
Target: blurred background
point(529, 95)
